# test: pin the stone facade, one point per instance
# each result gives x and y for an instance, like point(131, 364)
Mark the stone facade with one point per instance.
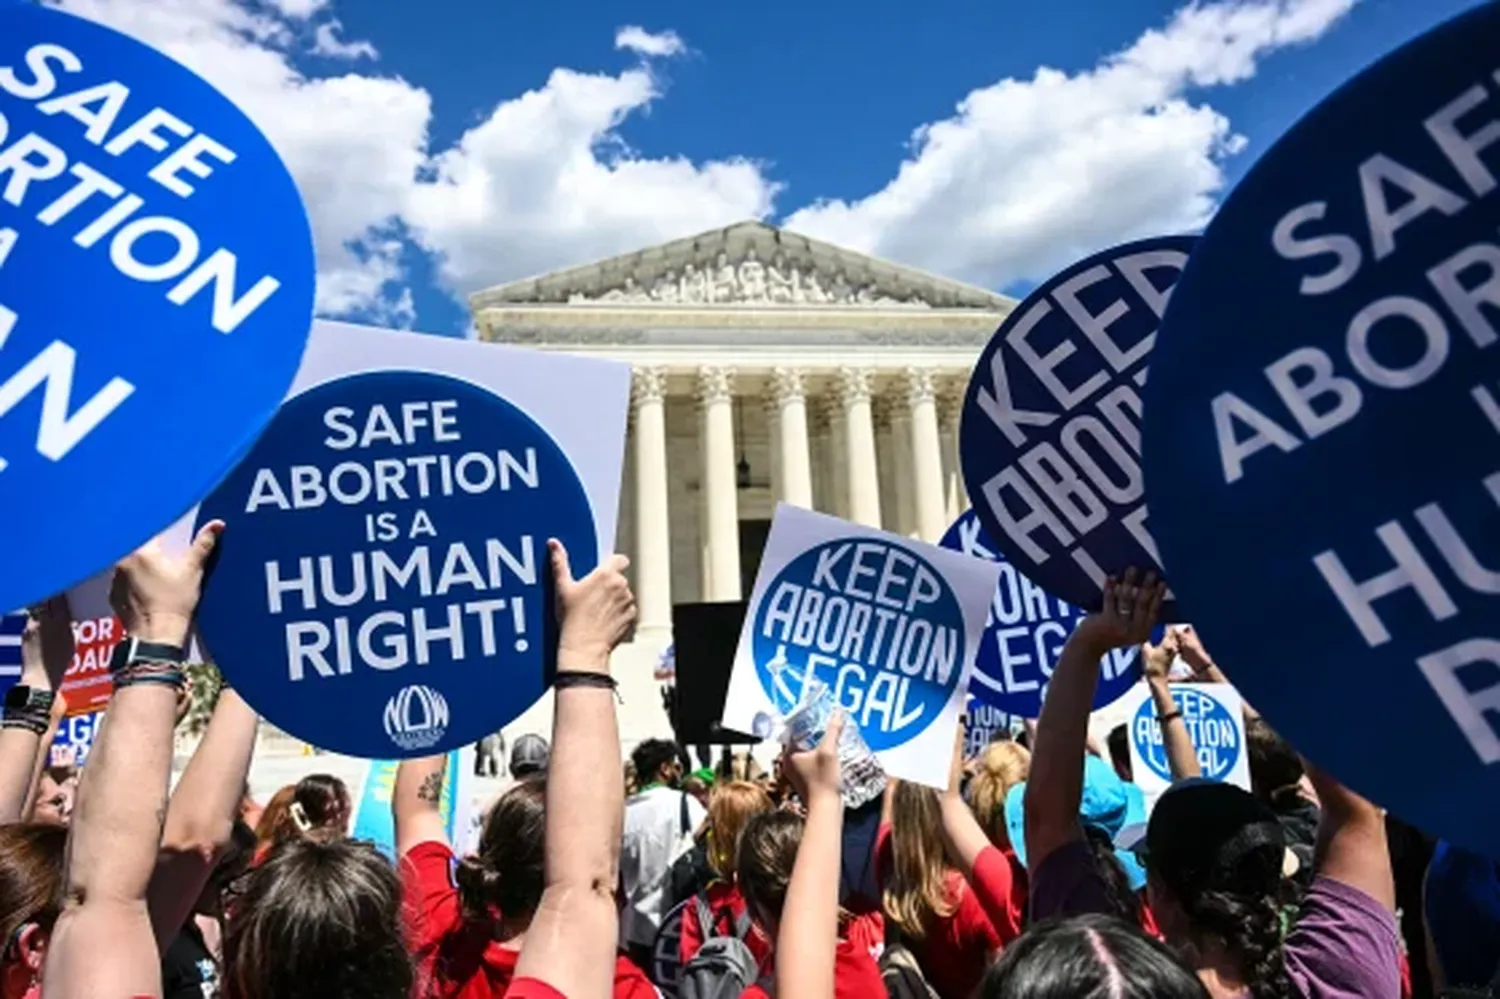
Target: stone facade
point(767, 367)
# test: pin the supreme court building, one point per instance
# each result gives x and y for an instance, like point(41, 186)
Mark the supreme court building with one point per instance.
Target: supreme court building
point(768, 367)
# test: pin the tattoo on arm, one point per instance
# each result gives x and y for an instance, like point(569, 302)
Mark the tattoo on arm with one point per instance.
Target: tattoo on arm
point(431, 789)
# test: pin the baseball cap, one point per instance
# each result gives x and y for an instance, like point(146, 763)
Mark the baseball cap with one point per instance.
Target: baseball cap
point(529, 756)
point(1108, 803)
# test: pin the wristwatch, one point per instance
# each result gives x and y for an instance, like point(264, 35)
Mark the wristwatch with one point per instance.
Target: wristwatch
point(24, 698)
point(132, 650)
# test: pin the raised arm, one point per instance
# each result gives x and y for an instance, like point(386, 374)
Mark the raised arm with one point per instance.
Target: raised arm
point(46, 652)
point(1055, 786)
point(571, 942)
point(419, 792)
point(808, 936)
point(1156, 663)
point(201, 816)
point(103, 944)
point(1351, 840)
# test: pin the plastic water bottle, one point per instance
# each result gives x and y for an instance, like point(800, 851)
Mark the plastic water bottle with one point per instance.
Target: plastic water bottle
point(861, 778)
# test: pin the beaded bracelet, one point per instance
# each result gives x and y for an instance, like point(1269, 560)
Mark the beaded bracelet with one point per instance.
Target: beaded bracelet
point(31, 719)
point(169, 674)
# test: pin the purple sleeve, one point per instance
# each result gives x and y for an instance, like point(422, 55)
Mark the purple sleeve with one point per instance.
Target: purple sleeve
point(1344, 945)
point(1067, 883)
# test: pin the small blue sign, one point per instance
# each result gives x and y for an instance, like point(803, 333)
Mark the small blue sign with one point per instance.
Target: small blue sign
point(873, 620)
point(983, 724)
point(12, 626)
point(75, 737)
point(1214, 730)
point(156, 290)
point(383, 588)
point(375, 821)
point(1025, 634)
point(1050, 440)
point(1323, 433)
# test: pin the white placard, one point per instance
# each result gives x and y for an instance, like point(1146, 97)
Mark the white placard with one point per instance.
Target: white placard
point(1215, 719)
point(891, 625)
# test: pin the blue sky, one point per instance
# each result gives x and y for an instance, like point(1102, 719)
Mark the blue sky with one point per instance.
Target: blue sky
point(428, 173)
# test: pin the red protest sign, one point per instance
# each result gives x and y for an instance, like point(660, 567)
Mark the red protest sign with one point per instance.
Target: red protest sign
point(87, 685)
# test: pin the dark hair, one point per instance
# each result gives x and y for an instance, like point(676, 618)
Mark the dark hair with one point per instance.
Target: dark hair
point(324, 800)
point(767, 852)
point(1088, 957)
point(1275, 767)
point(1122, 898)
point(650, 756)
point(1219, 852)
point(31, 877)
point(506, 873)
point(229, 870)
point(318, 919)
point(1119, 750)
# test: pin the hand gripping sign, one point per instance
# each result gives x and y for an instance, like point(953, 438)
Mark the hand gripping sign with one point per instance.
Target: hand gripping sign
point(1025, 634)
point(1050, 441)
point(1323, 432)
point(890, 625)
point(156, 288)
point(383, 586)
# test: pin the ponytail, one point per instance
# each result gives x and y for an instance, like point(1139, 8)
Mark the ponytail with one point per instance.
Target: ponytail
point(503, 880)
point(1123, 900)
point(1251, 928)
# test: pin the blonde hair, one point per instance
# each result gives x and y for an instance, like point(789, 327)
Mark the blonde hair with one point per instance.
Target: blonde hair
point(917, 890)
point(730, 809)
point(1002, 766)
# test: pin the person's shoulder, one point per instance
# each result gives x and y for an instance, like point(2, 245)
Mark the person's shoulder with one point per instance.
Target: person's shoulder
point(1343, 945)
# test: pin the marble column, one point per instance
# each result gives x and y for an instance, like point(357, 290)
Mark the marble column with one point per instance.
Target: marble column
point(950, 401)
point(926, 454)
point(863, 469)
point(653, 526)
point(721, 517)
point(794, 467)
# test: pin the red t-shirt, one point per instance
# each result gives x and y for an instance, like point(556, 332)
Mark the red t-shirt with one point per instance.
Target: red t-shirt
point(955, 950)
point(856, 973)
point(727, 905)
point(462, 960)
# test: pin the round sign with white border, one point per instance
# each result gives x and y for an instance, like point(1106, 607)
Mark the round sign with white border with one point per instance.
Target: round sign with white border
point(1024, 636)
point(156, 291)
point(1213, 730)
point(1322, 433)
point(894, 669)
point(1050, 439)
point(383, 586)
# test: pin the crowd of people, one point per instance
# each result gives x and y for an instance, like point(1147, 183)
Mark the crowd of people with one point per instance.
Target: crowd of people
point(1027, 877)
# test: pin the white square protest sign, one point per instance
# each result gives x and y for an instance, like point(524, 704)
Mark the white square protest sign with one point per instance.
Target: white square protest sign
point(891, 626)
point(1215, 718)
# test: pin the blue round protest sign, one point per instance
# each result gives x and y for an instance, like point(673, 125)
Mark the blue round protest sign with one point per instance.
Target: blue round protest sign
point(1050, 439)
point(1024, 636)
point(1213, 730)
point(383, 588)
point(1323, 433)
point(156, 290)
point(873, 620)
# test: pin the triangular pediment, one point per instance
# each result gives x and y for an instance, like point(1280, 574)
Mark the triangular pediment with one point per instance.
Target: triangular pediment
point(747, 265)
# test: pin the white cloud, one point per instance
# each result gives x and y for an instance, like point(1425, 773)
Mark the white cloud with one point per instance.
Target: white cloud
point(634, 38)
point(327, 41)
point(1025, 176)
point(1031, 174)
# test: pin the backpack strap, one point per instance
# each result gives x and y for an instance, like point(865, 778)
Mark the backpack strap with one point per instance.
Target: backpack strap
point(742, 925)
point(705, 917)
point(684, 816)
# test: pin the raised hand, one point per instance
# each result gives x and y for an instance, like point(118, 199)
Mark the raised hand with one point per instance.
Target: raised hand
point(816, 771)
point(595, 613)
point(1128, 612)
point(1190, 647)
point(156, 594)
point(1156, 660)
point(47, 644)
